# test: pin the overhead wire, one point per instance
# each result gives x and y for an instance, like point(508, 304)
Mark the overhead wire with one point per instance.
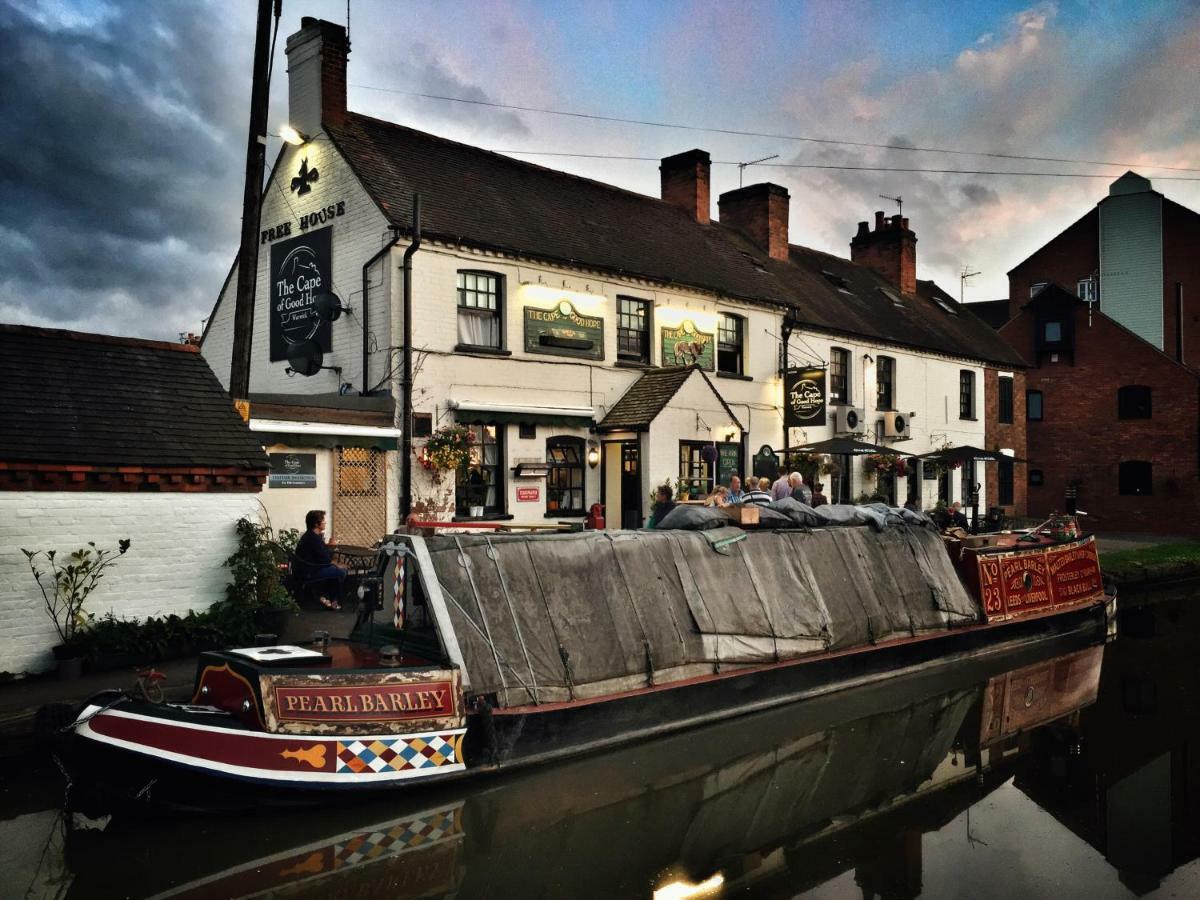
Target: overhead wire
point(679, 126)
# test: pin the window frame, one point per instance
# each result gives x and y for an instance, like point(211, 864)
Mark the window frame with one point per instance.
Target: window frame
point(461, 486)
point(1036, 478)
point(708, 480)
point(1131, 406)
point(740, 346)
point(842, 397)
point(966, 394)
point(499, 313)
point(1130, 478)
point(647, 307)
point(1041, 406)
point(891, 383)
point(1090, 291)
point(1005, 399)
point(1006, 481)
point(555, 468)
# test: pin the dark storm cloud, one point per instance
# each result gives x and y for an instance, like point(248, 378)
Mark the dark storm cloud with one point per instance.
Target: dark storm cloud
point(118, 157)
point(979, 194)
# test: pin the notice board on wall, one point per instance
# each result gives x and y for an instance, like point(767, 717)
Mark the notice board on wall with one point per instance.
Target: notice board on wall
point(292, 470)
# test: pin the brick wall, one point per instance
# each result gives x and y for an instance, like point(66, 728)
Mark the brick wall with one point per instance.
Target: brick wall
point(1005, 436)
point(175, 563)
point(1072, 255)
point(1081, 439)
point(1181, 265)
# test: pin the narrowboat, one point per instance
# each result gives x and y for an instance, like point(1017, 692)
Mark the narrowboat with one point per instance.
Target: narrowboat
point(504, 650)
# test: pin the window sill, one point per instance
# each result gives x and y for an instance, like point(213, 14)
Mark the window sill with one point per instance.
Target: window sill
point(633, 364)
point(565, 515)
point(495, 518)
point(486, 351)
point(967, 419)
point(735, 376)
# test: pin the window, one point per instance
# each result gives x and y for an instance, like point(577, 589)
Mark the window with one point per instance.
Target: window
point(1033, 406)
point(1006, 400)
point(1036, 287)
point(696, 474)
point(564, 483)
point(1036, 478)
point(729, 344)
point(1086, 289)
point(1004, 482)
point(885, 382)
point(1134, 402)
point(480, 310)
point(840, 476)
point(966, 394)
point(1135, 478)
point(1052, 332)
point(839, 375)
point(527, 431)
point(422, 424)
point(970, 478)
point(480, 480)
point(633, 329)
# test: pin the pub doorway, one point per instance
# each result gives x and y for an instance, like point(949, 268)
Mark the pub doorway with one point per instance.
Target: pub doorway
point(621, 476)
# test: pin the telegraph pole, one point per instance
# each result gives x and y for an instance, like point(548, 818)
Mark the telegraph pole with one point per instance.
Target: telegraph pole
point(256, 158)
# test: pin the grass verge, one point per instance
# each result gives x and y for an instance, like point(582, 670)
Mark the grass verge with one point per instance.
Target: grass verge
point(1162, 562)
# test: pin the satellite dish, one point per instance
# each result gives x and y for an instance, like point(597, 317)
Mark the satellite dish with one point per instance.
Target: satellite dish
point(306, 358)
point(328, 306)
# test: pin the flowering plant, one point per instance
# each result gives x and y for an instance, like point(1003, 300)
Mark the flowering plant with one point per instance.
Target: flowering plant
point(942, 465)
point(447, 449)
point(883, 463)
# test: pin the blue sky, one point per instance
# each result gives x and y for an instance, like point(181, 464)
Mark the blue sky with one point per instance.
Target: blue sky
point(125, 138)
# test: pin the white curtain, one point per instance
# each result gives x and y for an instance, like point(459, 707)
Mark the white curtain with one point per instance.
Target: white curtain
point(478, 330)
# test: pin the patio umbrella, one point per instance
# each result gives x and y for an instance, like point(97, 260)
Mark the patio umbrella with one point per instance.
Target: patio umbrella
point(843, 447)
point(966, 453)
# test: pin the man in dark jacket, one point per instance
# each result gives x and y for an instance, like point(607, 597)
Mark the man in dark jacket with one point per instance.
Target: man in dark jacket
point(314, 559)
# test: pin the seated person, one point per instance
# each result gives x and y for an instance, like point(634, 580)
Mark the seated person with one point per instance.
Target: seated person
point(313, 559)
point(664, 502)
point(719, 497)
point(735, 490)
point(958, 518)
point(818, 495)
point(758, 491)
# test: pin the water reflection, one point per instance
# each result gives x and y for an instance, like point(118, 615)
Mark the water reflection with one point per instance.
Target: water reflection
point(1067, 769)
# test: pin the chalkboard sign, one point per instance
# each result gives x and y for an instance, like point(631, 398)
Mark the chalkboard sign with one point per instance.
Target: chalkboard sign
point(293, 470)
point(685, 346)
point(766, 463)
point(301, 268)
point(561, 331)
point(729, 461)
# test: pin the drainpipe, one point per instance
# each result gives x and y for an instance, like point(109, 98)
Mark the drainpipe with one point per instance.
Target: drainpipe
point(406, 426)
point(366, 306)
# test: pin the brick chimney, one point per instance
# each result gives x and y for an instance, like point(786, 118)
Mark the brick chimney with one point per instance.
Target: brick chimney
point(316, 57)
point(891, 250)
point(685, 179)
point(760, 212)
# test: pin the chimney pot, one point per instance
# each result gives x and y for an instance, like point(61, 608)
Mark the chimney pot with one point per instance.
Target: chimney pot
point(864, 229)
point(878, 219)
point(895, 220)
point(890, 250)
point(685, 182)
point(904, 223)
point(759, 211)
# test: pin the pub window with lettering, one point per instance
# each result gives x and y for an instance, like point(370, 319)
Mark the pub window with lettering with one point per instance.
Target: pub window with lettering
point(480, 479)
point(885, 383)
point(839, 375)
point(966, 394)
point(480, 310)
point(564, 481)
point(633, 329)
point(730, 337)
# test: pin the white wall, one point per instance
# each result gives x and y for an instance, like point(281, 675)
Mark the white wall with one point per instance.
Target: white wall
point(287, 507)
point(180, 541)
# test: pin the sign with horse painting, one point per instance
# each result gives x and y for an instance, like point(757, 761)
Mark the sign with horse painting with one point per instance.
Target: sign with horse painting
point(685, 346)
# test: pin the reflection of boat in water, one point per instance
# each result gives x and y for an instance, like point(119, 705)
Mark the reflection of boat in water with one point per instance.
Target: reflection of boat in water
point(520, 649)
point(761, 798)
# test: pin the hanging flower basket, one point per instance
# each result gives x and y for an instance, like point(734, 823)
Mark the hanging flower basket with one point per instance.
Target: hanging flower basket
point(885, 463)
point(446, 450)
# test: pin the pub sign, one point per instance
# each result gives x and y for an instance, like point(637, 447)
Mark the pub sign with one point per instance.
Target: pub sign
point(804, 397)
point(563, 331)
point(292, 470)
point(687, 346)
point(301, 268)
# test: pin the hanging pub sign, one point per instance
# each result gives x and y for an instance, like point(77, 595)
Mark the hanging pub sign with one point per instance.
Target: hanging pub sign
point(562, 331)
point(301, 268)
point(292, 470)
point(685, 346)
point(804, 397)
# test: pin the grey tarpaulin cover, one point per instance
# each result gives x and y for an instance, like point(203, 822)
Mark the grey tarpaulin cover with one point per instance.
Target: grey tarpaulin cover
point(543, 618)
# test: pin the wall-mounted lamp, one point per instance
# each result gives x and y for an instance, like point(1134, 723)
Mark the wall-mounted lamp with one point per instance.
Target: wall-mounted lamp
point(593, 454)
point(292, 136)
point(868, 357)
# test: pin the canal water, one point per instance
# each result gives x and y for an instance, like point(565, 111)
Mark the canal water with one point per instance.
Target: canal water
point(1071, 769)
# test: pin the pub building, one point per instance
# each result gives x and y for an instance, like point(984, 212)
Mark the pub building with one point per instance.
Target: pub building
point(595, 341)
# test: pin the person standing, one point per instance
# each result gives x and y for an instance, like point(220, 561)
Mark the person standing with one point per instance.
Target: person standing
point(759, 493)
point(800, 490)
point(782, 487)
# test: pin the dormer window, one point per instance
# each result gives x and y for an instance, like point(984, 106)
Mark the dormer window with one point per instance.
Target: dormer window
point(1052, 332)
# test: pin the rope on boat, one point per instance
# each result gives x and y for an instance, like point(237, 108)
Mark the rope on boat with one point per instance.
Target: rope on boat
point(562, 651)
point(633, 605)
point(495, 557)
point(466, 564)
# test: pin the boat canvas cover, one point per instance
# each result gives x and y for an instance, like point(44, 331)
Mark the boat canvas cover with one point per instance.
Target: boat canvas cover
point(548, 618)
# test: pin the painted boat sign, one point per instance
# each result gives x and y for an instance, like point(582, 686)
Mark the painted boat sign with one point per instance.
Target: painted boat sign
point(1031, 581)
point(361, 703)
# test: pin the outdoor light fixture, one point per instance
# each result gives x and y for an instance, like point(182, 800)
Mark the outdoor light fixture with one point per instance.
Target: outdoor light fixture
point(292, 136)
point(593, 454)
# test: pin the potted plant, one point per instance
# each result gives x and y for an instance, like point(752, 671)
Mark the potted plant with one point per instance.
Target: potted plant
point(257, 586)
point(65, 589)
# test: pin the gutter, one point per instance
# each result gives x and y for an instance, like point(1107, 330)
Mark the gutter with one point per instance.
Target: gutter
point(366, 304)
point(406, 422)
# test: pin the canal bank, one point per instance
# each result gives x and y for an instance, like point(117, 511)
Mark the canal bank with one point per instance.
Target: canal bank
point(1141, 561)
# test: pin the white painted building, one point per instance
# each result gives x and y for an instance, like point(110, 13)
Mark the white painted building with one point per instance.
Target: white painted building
point(540, 300)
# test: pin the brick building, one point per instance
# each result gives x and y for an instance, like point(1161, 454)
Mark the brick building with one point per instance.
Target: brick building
point(108, 438)
point(1105, 313)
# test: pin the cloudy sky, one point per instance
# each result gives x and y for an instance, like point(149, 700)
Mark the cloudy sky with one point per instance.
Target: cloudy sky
point(122, 156)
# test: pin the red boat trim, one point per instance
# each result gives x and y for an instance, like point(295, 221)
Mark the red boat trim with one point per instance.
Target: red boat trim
point(226, 670)
point(783, 664)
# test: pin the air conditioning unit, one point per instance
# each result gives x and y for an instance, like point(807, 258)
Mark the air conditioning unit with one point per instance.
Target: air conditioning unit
point(895, 425)
point(849, 420)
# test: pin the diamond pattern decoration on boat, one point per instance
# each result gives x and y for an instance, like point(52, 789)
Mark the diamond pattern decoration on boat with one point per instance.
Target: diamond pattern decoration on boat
point(399, 754)
point(418, 832)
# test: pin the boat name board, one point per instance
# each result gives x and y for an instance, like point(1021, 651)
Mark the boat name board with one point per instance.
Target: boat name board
point(364, 703)
point(1018, 584)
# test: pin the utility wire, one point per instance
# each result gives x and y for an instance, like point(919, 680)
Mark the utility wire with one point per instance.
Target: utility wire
point(771, 135)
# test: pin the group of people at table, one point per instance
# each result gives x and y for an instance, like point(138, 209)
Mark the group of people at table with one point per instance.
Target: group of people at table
point(755, 492)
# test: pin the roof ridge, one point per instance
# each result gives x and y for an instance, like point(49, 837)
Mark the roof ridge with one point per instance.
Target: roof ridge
point(96, 338)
